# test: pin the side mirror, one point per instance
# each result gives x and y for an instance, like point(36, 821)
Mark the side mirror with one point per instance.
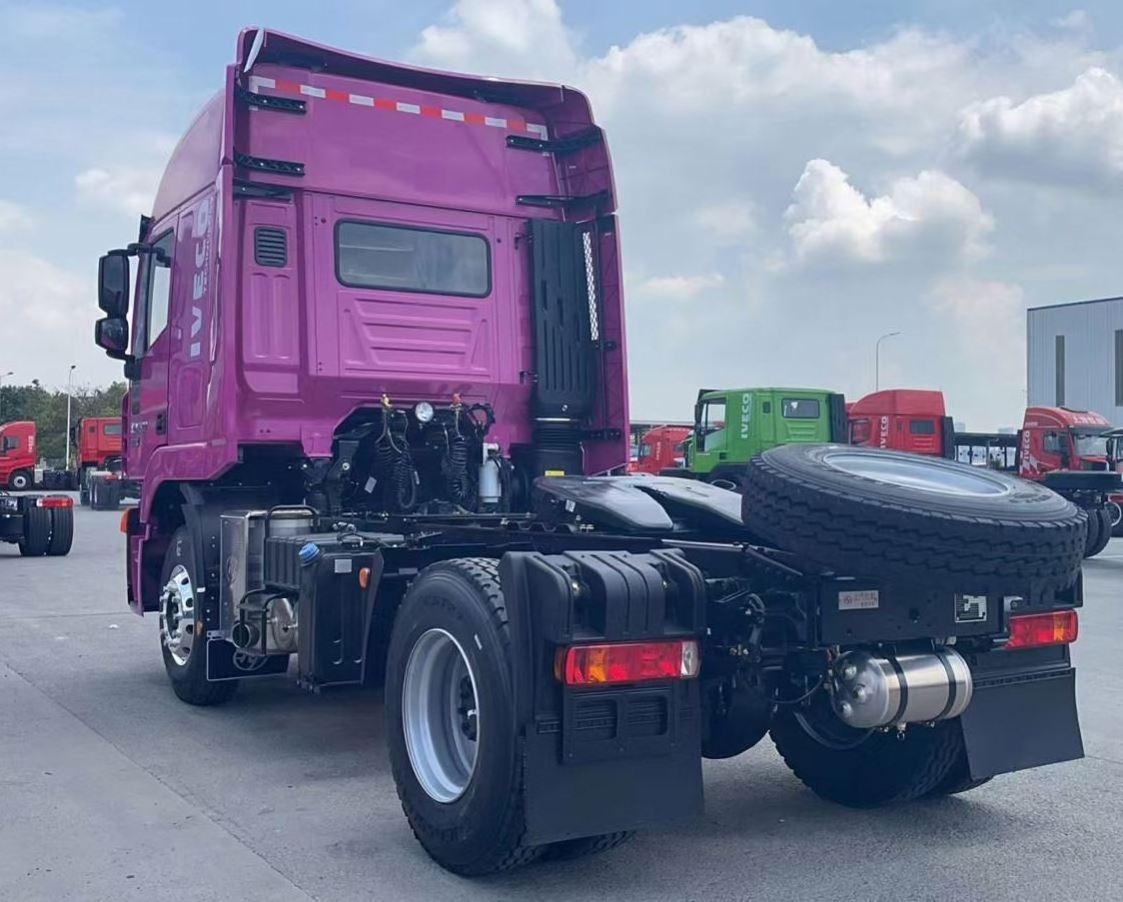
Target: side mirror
point(113, 284)
point(111, 333)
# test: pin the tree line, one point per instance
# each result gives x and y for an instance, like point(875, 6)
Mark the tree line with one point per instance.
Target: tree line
point(47, 409)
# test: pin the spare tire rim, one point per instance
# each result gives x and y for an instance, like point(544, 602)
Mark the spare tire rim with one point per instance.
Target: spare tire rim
point(918, 473)
point(440, 715)
point(177, 615)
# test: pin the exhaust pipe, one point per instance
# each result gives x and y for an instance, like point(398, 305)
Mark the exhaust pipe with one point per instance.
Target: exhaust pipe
point(244, 635)
point(870, 692)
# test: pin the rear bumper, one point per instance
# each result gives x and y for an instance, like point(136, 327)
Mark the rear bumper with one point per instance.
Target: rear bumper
point(1023, 713)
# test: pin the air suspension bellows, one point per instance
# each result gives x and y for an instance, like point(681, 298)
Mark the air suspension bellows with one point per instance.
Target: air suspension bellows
point(870, 691)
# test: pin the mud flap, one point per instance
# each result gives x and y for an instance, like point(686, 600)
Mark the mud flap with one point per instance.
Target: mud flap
point(603, 760)
point(1022, 721)
point(225, 662)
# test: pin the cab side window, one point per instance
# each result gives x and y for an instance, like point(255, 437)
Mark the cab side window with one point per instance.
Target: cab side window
point(155, 286)
point(11, 442)
point(1052, 443)
point(713, 426)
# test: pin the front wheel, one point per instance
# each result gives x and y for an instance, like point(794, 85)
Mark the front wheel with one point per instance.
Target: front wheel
point(868, 771)
point(1115, 514)
point(20, 481)
point(182, 628)
point(450, 720)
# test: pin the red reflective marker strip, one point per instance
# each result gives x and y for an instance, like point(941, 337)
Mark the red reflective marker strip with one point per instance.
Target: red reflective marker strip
point(258, 82)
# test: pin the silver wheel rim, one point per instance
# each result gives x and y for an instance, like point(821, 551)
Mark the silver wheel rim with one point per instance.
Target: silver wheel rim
point(440, 716)
point(19, 482)
point(920, 474)
point(1115, 512)
point(177, 615)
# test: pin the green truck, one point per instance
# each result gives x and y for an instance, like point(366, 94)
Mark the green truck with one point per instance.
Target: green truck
point(732, 426)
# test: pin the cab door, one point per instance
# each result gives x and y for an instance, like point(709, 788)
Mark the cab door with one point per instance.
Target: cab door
point(148, 392)
point(711, 442)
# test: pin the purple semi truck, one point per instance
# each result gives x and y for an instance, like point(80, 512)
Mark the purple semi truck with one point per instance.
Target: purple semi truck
point(378, 412)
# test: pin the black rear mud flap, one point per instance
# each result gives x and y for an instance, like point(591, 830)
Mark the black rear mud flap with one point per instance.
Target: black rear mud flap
point(1022, 721)
point(603, 760)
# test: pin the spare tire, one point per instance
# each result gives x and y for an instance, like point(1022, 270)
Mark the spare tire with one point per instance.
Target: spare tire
point(896, 516)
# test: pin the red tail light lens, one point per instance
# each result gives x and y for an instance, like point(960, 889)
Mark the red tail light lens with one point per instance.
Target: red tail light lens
point(55, 501)
point(1033, 630)
point(628, 662)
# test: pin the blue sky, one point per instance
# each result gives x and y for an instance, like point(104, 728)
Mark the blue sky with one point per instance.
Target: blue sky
point(795, 178)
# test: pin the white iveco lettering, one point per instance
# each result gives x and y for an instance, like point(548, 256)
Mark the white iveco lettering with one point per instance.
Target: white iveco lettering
point(201, 234)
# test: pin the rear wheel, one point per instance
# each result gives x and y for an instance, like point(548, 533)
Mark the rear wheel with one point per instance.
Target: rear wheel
point(20, 481)
point(1099, 531)
point(568, 849)
point(62, 531)
point(36, 532)
point(957, 780)
point(865, 771)
point(450, 720)
point(182, 629)
point(1115, 512)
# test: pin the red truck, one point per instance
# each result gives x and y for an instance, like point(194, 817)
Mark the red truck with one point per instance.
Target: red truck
point(661, 448)
point(17, 455)
point(1064, 449)
point(903, 419)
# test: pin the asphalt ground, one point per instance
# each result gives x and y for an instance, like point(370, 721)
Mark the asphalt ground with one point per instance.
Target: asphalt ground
point(112, 789)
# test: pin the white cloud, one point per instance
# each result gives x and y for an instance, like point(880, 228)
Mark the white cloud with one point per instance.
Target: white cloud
point(1072, 137)
point(122, 189)
point(13, 217)
point(930, 215)
point(509, 37)
point(679, 288)
point(37, 294)
point(1077, 20)
point(987, 320)
point(727, 223)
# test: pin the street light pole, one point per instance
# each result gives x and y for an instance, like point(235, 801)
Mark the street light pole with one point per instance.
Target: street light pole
point(877, 359)
point(3, 376)
point(69, 384)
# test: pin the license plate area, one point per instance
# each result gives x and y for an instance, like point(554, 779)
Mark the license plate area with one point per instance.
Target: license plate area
point(854, 611)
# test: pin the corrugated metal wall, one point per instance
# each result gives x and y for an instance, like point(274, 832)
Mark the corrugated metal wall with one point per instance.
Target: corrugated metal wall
point(1089, 352)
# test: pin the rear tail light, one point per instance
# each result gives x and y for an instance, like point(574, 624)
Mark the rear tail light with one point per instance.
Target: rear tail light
point(628, 662)
point(55, 501)
point(1034, 630)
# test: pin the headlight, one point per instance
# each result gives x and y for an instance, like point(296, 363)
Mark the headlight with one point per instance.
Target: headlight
point(423, 411)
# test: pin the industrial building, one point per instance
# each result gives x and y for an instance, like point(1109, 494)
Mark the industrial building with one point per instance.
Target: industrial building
point(1075, 356)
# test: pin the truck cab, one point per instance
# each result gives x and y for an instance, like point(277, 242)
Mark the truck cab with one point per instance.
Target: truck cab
point(17, 455)
point(97, 441)
point(662, 448)
point(732, 426)
point(1057, 438)
point(903, 420)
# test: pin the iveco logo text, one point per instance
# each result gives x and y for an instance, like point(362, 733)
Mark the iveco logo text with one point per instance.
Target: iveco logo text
point(746, 414)
point(883, 435)
point(200, 232)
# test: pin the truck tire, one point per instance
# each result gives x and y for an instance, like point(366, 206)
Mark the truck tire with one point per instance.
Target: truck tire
point(892, 515)
point(62, 531)
point(957, 780)
point(94, 491)
point(20, 481)
point(882, 769)
point(1099, 532)
point(185, 659)
point(1115, 511)
point(36, 532)
point(1105, 531)
point(461, 791)
point(569, 849)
